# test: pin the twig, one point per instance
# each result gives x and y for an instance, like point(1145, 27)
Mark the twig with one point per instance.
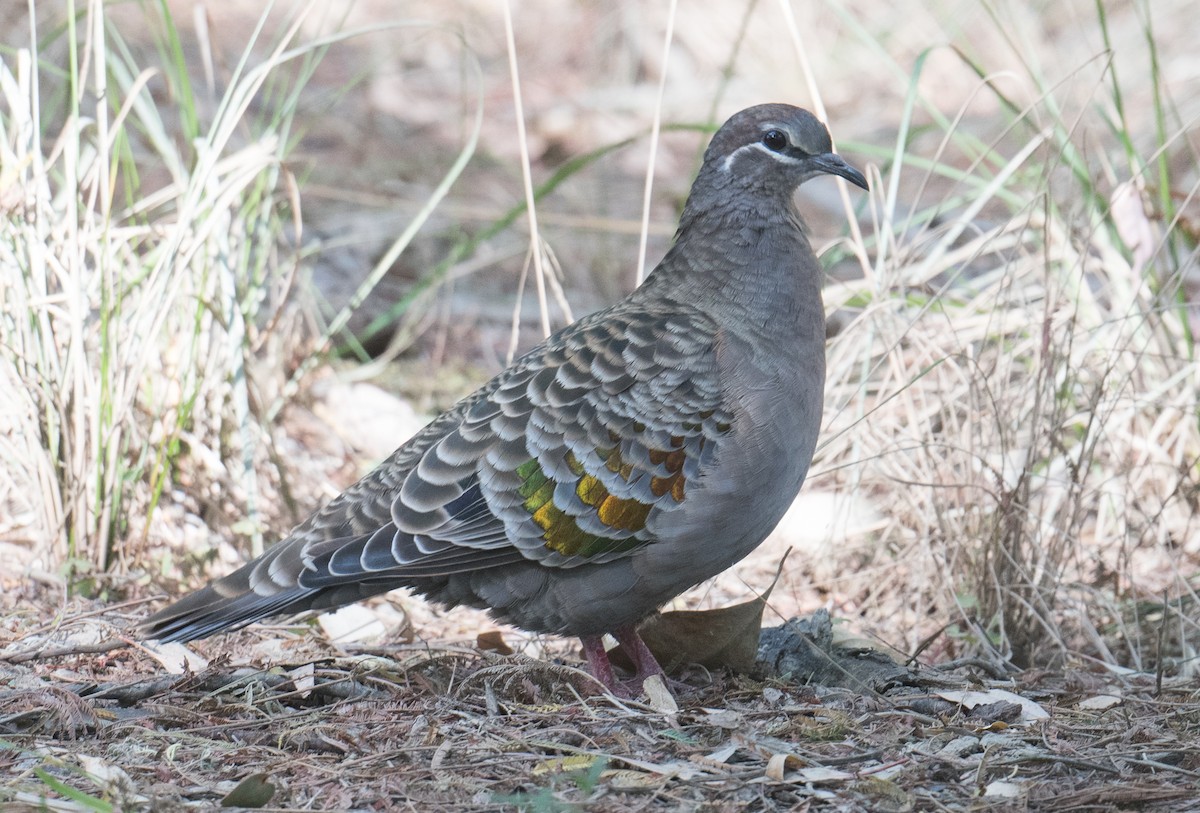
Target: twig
point(343, 687)
point(994, 670)
point(42, 653)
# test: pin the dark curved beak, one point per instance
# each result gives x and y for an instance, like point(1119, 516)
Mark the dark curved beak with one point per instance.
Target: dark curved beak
point(834, 164)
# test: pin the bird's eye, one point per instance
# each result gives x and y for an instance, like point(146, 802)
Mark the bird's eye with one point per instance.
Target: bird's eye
point(775, 140)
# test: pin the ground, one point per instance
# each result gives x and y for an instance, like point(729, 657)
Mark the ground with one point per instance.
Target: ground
point(281, 720)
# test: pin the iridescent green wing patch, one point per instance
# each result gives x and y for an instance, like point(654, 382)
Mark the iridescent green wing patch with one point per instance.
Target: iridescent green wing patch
point(626, 516)
point(560, 530)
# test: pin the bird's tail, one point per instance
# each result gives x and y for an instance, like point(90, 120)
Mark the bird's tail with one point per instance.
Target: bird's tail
point(226, 604)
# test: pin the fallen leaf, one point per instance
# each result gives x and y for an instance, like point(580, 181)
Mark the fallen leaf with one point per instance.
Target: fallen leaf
point(812, 775)
point(724, 718)
point(577, 762)
point(175, 658)
point(725, 637)
point(104, 773)
point(304, 678)
point(1099, 702)
point(1003, 789)
point(778, 765)
point(722, 755)
point(351, 624)
point(678, 769)
point(253, 791)
point(493, 641)
point(1029, 710)
point(658, 696)
point(625, 779)
point(820, 773)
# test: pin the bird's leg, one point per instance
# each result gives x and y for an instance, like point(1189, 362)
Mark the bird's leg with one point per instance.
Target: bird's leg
point(601, 667)
point(643, 659)
point(599, 664)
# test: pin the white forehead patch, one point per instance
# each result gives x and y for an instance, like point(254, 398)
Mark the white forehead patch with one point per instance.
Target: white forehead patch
point(727, 164)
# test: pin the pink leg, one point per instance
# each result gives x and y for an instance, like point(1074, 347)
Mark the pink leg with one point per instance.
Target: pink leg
point(601, 667)
point(599, 664)
point(638, 652)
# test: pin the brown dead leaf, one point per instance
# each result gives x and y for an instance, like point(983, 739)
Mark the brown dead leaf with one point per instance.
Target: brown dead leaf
point(493, 641)
point(725, 637)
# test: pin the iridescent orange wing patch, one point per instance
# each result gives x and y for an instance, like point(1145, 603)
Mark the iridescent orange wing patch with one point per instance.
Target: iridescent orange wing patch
point(561, 532)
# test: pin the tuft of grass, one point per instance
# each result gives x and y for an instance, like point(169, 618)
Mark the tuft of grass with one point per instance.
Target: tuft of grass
point(1019, 384)
point(132, 306)
point(147, 274)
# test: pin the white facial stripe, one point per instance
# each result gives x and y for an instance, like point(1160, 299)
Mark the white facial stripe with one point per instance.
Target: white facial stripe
point(727, 164)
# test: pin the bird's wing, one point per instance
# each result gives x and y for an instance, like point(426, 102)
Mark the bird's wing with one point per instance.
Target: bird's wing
point(563, 459)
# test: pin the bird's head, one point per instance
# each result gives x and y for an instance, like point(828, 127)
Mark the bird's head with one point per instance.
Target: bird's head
point(770, 150)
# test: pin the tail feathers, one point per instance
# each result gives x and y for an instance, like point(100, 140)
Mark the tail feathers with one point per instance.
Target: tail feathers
point(206, 612)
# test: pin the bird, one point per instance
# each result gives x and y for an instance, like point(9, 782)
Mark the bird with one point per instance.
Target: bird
point(631, 455)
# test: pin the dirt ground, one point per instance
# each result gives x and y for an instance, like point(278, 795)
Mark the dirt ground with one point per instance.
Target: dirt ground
point(283, 721)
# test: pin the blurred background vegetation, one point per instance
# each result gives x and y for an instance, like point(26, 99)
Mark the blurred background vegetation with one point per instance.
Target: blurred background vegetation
point(244, 251)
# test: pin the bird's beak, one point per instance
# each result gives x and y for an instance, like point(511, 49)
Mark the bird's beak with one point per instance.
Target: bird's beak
point(835, 165)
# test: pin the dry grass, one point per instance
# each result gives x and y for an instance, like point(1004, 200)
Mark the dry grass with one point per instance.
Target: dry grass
point(133, 304)
point(1017, 422)
point(1020, 391)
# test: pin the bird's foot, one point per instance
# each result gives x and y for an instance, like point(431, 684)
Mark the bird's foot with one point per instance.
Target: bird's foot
point(646, 665)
